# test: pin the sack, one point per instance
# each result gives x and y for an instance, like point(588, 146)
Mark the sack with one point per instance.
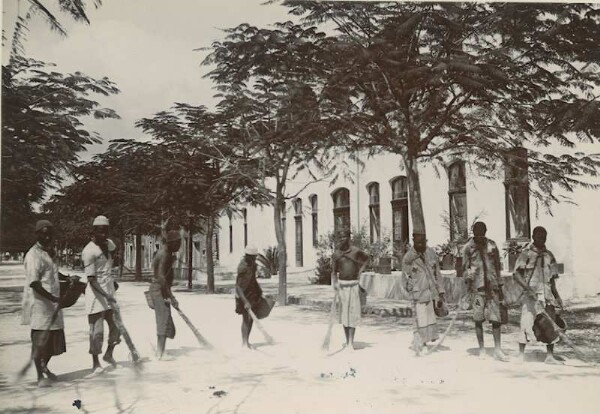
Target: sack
point(440, 311)
point(503, 314)
point(543, 328)
point(264, 307)
point(362, 294)
point(149, 299)
point(70, 291)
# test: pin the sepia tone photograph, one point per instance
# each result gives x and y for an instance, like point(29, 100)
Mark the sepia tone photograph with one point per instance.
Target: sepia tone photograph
point(292, 206)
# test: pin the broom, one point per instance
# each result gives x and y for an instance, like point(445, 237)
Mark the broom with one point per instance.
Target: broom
point(450, 325)
point(34, 355)
point(268, 337)
point(135, 356)
point(327, 340)
point(203, 342)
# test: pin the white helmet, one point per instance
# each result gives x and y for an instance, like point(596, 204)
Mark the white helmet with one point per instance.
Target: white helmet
point(100, 221)
point(251, 251)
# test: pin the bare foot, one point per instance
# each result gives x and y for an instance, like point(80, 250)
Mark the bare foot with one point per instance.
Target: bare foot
point(550, 360)
point(499, 355)
point(51, 376)
point(44, 382)
point(110, 360)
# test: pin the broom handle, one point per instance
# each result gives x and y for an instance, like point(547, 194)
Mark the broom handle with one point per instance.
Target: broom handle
point(34, 354)
point(332, 315)
point(268, 337)
point(199, 336)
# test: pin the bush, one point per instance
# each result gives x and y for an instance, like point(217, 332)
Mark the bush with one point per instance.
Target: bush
point(268, 261)
point(323, 270)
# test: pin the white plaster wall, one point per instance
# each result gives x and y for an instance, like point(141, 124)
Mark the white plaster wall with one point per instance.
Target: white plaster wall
point(573, 231)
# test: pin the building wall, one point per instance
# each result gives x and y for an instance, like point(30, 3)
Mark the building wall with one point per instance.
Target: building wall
point(569, 228)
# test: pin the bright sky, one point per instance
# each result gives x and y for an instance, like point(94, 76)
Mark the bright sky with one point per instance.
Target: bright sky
point(145, 46)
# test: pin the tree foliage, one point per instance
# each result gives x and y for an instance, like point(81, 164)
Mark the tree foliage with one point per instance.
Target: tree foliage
point(433, 81)
point(42, 132)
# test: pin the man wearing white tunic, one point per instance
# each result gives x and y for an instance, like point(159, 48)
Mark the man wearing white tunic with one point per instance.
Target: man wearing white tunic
point(100, 293)
point(424, 285)
point(348, 263)
point(41, 298)
point(536, 272)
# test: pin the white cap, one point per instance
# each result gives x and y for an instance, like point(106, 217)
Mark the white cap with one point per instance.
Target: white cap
point(100, 221)
point(251, 251)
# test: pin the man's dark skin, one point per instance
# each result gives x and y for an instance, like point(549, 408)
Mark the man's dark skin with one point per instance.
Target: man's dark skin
point(420, 244)
point(100, 237)
point(539, 241)
point(479, 232)
point(344, 246)
point(173, 247)
point(45, 237)
point(247, 321)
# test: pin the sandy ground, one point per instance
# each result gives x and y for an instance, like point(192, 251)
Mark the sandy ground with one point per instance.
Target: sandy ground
point(293, 375)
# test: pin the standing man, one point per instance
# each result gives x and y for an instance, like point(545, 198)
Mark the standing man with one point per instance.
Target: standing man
point(424, 284)
point(247, 287)
point(41, 302)
point(347, 264)
point(535, 271)
point(100, 295)
point(160, 291)
point(481, 261)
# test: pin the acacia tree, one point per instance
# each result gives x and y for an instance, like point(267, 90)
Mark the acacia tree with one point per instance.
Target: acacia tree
point(229, 175)
point(430, 81)
point(42, 134)
point(271, 93)
point(117, 184)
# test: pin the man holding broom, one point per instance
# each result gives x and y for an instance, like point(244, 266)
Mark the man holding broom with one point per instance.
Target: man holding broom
point(100, 293)
point(481, 262)
point(41, 302)
point(347, 264)
point(424, 285)
point(535, 271)
point(248, 292)
point(160, 291)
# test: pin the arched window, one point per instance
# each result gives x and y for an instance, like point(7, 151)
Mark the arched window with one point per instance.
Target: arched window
point(457, 195)
point(516, 195)
point(341, 210)
point(245, 215)
point(298, 226)
point(399, 214)
point(374, 212)
point(314, 206)
point(229, 215)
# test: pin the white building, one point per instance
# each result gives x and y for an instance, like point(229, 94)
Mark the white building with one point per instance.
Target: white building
point(378, 200)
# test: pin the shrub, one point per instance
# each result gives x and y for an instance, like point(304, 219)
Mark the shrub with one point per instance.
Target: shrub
point(269, 262)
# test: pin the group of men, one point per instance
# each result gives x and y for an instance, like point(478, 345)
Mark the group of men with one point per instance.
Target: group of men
point(535, 272)
point(42, 301)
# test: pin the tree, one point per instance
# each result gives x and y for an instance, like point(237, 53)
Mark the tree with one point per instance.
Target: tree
point(76, 9)
point(270, 89)
point(42, 134)
point(433, 81)
point(117, 184)
point(229, 176)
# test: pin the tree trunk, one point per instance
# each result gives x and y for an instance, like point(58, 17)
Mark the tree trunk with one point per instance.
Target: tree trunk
point(281, 247)
point(210, 264)
point(414, 189)
point(138, 256)
point(190, 251)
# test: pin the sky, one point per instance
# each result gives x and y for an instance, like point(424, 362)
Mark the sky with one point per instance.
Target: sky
point(145, 46)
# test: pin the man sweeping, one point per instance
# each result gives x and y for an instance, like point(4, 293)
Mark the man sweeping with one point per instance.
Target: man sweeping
point(160, 291)
point(535, 271)
point(481, 262)
point(41, 302)
point(247, 285)
point(424, 284)
point(347, 264)
point(100, 293)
